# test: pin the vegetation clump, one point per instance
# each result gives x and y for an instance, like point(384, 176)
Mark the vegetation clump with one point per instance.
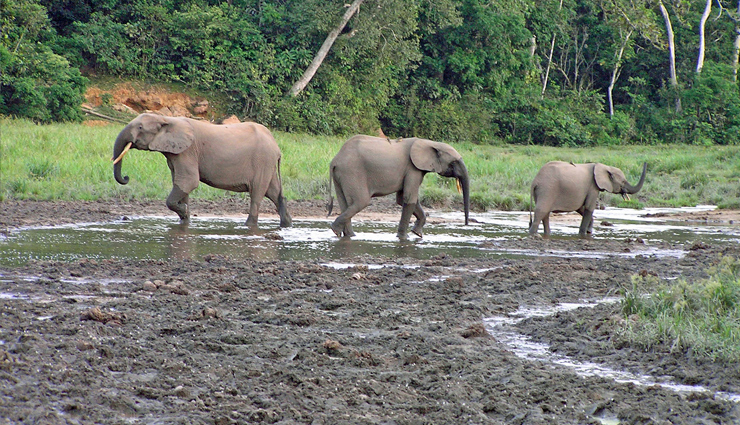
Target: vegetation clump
point(701, 317)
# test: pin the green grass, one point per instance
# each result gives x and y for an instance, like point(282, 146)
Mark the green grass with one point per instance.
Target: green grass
point(702, 316)
point(72, 162)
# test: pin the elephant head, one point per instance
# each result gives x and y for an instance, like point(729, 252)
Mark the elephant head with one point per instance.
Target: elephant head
point(444, 160)
point(151, 132)
point(612, 179)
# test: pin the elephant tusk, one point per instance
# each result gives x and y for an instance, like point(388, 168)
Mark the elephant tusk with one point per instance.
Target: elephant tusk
point(459, 186)
point(626, 196)
point(120, 157)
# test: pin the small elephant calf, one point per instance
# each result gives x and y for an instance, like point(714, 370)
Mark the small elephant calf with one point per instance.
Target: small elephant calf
point(564, 187)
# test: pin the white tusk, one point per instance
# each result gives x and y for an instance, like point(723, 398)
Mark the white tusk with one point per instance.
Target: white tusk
point(120, 157)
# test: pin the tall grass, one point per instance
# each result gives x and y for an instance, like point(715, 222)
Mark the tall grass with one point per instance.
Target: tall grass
point(702, 316)
point(72, 161)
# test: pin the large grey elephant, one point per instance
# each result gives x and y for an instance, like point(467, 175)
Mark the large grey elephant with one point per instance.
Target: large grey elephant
point(564, 187)
point(240, 157)
point(366, 167)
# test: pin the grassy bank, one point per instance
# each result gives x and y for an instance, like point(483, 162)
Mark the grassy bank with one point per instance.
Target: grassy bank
point(702, 317)
point(72, 162)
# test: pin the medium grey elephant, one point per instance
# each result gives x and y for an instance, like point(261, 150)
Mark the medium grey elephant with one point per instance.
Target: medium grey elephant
point(240, 157)
point(366, 167)
point(564, 187)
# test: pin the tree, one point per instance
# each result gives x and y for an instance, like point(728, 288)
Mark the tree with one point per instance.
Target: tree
point(671, 53)
point(324, 50)
point(702, 42)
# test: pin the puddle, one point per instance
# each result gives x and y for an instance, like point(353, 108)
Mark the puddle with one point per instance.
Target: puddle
point(525, 348)
point(163, 237)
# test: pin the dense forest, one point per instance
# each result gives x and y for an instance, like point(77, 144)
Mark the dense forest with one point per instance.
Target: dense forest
point(558, 73)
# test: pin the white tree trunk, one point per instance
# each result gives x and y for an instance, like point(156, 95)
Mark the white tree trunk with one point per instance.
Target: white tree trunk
point(324, 50)
point(736, 55)
point(549, 57)
point(617, 70)
point(671, 53)
point(702, 41)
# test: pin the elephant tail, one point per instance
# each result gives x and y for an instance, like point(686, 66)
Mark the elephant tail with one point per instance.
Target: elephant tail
point(531, 192)
point(330, 205)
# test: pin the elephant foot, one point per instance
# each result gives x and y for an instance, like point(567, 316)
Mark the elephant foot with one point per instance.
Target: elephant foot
point(402, 236)
point(417, 230)
point(184, 221)
point(336, 229)
point(286, 222)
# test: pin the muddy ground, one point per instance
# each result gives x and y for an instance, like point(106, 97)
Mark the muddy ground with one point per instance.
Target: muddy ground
point(218, 341)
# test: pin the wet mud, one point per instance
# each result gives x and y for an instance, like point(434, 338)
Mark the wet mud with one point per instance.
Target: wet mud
point(215, 340)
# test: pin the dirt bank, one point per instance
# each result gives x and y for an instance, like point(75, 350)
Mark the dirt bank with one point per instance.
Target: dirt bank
point(215, 340)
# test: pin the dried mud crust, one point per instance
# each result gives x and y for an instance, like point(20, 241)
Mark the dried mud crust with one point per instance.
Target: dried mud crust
point(215, 340)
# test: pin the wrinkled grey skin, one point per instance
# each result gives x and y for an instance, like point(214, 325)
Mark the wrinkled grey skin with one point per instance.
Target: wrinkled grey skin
point(564, 187)
point(366, 167)
point(241, 157)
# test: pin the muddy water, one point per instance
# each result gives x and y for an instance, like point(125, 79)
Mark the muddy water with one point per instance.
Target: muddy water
point(162, 238)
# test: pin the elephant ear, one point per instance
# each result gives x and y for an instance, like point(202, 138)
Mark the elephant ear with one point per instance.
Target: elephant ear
point(174, 136)
point(603, 177)
point(426, 155)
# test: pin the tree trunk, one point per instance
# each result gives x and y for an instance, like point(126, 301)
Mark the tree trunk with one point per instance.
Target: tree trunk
point(549, 57)
point(616, 71)
point(671, 53)
point(736, 55)
point(702, 41)
point(324, 50)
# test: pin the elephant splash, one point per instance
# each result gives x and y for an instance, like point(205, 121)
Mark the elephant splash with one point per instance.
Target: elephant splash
point(240, 157)
point(367, 167)
point(564, 187)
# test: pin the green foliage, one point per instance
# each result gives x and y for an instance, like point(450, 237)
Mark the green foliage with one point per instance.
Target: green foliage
point(516, 71)
point(35, 83)
point(702, 316)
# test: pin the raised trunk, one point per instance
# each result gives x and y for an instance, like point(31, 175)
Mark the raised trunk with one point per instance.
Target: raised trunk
point(462, 176)
point(124, 137)
point(636, 188)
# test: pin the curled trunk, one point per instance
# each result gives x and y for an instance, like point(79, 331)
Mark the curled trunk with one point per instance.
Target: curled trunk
point(124, 137)
point(636, 188)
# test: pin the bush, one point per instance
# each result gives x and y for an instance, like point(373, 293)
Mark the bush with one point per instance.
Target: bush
point(35, 82)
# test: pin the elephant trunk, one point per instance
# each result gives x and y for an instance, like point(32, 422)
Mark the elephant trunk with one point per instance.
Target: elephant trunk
point(461, 173)
point(123, 140)
point(636, 188)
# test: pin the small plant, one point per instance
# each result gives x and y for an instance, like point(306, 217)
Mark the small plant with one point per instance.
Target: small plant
point(42, 169)
point(703, 316)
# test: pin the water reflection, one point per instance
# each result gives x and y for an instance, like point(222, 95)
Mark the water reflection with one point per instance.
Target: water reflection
point(490, 234)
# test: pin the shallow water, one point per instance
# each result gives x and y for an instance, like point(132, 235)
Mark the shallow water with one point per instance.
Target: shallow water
point(524, 347)
point(150, 237)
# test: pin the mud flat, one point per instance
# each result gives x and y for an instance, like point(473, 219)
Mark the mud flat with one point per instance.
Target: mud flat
point(214, 339)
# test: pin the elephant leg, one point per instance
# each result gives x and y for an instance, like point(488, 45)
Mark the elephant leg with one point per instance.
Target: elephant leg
point(342, 225)
point(403, 226)
point(421, 217)
point(540, 216)
point(275, 194)
point(177, 201)
point(587, 223)
point(255, 199)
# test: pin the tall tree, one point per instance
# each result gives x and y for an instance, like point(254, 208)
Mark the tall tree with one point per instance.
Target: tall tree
point(702, 41)
point(671, 53)
point(324, 50)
